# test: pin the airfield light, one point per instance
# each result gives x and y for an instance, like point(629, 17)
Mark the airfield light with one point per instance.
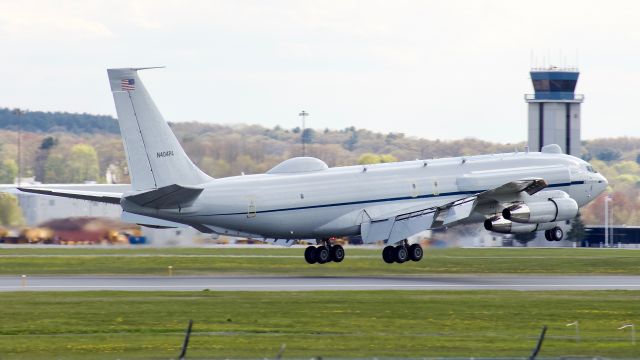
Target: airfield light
point(303, 114)
point(577, 325)
point(633, 331)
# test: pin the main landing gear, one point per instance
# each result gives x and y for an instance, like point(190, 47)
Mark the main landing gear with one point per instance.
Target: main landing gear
point(555, 234)
point(324, 253)
point(402, 253)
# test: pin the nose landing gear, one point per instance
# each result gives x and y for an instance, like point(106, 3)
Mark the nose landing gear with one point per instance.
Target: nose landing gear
point(324, 253)
point(402, 253)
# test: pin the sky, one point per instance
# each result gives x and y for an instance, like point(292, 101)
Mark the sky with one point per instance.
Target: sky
point(433, 69)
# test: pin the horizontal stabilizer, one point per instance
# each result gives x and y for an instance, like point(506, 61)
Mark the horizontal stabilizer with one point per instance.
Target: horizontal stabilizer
point(167, 197)
point(149, 221)
point(104, 197)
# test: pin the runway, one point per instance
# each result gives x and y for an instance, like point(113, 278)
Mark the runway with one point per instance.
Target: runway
point(274, 283)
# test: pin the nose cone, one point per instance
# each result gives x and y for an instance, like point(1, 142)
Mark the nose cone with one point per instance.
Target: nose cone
point(601, 184)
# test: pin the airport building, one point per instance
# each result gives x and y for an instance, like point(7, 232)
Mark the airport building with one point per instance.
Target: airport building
point(554, 110)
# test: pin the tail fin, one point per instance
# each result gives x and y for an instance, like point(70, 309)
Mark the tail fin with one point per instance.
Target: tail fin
point(154, 155)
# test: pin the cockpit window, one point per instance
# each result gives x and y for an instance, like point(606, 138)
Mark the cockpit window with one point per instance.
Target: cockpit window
point(591, 169)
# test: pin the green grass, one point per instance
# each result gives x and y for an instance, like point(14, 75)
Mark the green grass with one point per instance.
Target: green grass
point(134, 325)
point(194, 261)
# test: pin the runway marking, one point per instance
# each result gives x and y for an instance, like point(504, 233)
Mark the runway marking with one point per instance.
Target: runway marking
point(427, 256)
point(327, 286)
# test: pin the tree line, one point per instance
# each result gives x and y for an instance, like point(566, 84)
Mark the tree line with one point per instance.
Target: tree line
point(73, 151)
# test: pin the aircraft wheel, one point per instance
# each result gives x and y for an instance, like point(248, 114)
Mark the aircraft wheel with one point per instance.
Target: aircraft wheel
point(556, 233)
point(415, 252)
point(337, 253)
point(310, 255)
point(547, 235)
point(322, 254)
point(401, 254)
point(388, 254)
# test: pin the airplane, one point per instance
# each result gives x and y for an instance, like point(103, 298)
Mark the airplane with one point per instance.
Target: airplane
point(302, 198)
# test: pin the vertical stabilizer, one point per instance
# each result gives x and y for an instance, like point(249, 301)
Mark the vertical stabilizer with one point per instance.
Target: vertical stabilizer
point(154, 155)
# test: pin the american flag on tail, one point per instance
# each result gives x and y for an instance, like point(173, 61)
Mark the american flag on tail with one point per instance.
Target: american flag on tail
point(127, 84)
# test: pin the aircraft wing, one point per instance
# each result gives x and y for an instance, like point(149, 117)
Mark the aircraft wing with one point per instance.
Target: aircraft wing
point(98, 196)
point(400, 226)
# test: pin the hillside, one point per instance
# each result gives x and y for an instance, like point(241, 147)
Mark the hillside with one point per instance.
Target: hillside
point(42, 122)
point(61, 147)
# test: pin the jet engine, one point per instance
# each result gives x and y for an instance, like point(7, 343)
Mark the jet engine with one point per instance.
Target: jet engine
point(549, 210)
point(501, 225)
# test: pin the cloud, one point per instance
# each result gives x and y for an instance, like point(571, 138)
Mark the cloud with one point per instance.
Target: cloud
point(447, 69)
point(46, 21)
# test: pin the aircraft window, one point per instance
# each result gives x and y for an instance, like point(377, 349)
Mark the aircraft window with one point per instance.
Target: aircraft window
point(591, 169)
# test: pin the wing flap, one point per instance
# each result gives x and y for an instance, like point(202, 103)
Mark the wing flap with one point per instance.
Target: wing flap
point(402, 225)
point(459, 210)
point(403, 228)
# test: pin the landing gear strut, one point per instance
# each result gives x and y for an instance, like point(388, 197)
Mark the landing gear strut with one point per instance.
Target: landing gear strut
point(324, 253)
point(402, 253)
point(555, 234)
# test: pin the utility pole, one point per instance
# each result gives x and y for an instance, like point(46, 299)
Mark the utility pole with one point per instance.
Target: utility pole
point(303, 114)
point(18, 112)
point(607, 242)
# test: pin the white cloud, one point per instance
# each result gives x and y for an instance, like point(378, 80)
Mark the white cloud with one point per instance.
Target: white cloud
point(447, 69)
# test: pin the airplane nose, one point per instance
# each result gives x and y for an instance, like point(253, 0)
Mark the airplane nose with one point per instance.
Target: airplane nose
point(602, 182)
point(603, 179)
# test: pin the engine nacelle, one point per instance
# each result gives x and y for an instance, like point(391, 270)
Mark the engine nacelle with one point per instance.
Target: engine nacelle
point(550, 210)
point(501, 225)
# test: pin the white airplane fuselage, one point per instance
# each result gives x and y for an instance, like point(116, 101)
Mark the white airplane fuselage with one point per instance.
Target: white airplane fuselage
point(330, 202)
point(302, 198)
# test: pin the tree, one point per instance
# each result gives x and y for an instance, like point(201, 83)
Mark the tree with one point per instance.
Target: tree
point(351, 143)
point(55, 170)
point(607, 154)
point(83, 164)
point(577, 231)
point(308, 135)
point(369, 158)
point(525, 238)
point(387, 158)
point(10, 212)
point(48, 142)
point(42, 155)
point(8, 171)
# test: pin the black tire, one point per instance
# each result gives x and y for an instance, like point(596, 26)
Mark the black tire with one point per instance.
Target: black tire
point(547, 235)
point(322, 254)
point(401, 254)
point(415, 252)
point(388, 254)
point(337, 253)
point(557, 234)
point(310, 255)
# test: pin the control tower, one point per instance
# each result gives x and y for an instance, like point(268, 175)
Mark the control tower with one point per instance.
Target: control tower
point(554, 110)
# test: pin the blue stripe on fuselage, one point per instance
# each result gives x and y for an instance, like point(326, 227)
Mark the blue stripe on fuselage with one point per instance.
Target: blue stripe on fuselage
point(426, 196)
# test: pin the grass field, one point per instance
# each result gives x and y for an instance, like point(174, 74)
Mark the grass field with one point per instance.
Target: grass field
point(135, 325)
point(194, 261)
